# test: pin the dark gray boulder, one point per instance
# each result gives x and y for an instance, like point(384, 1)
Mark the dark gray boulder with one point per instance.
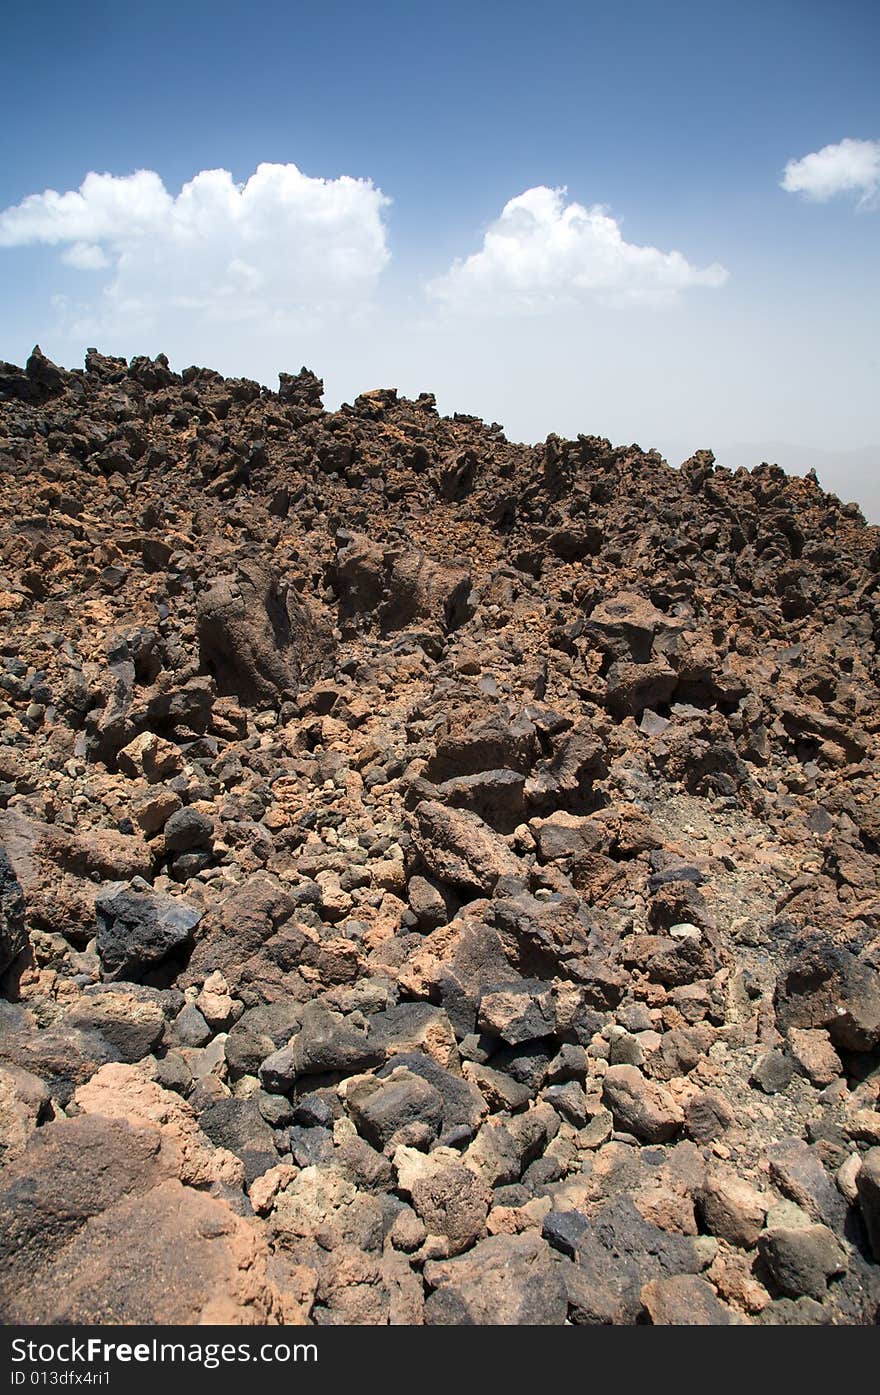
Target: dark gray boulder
point(139, 928)
point(13, 936)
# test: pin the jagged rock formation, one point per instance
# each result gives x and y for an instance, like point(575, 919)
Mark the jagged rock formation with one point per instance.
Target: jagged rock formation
point(439, 878)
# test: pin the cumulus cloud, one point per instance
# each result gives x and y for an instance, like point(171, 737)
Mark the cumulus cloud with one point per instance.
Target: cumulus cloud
point(850, 167)
point(86, 256)
point(543, 252)
point(279, 246)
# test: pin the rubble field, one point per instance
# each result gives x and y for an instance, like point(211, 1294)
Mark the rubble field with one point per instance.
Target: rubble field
point(439, 877)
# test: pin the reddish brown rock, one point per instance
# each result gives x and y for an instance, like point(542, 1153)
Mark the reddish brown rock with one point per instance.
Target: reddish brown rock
point(427, 843)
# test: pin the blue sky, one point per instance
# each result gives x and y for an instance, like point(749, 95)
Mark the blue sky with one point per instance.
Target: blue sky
point(678, 118)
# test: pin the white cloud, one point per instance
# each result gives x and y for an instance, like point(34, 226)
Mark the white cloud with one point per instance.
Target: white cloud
point(86, 256)
point(280, 247)
point(543, 252)
point(850, 167)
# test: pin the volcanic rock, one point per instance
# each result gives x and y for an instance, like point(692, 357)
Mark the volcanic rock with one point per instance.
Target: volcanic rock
point(510, 1280)
point(253, 640)
point(440, 877)
point(13, 936)
point(137, 929)
point(639, 1105)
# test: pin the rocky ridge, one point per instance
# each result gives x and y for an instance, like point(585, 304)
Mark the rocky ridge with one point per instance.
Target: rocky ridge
point(439, 877)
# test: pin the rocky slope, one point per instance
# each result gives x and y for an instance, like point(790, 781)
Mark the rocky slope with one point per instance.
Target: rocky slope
point(439, 876)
